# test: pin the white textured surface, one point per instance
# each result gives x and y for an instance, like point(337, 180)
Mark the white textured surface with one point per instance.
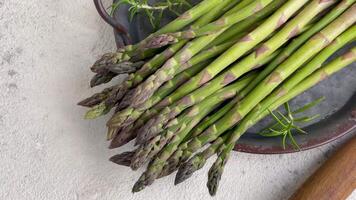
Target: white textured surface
point(47, 151)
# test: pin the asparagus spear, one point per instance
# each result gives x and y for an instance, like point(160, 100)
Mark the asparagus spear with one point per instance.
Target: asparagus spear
point(212, 27)
point(308, 50)
point(171, 67)
point(251, 61)
point(249, 22)
point(261, 111)
point(215, 13)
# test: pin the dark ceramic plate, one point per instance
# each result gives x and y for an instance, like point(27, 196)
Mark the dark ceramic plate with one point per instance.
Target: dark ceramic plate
point(338, 110)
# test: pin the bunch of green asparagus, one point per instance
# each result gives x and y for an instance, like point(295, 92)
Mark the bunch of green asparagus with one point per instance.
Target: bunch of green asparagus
point(197, 84)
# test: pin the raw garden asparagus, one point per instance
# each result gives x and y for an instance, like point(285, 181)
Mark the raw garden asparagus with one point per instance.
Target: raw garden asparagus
point(195, 99)
point(290, 30)
point(261, 111)
point(172, 66)
point(308, 50)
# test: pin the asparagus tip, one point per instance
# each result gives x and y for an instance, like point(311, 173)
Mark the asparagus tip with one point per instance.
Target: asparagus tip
point(214, 176)
point(142, 182)
point(101, 78)
point(160, 41)
point(123, 158)
point(96, 111)
point(185, 171)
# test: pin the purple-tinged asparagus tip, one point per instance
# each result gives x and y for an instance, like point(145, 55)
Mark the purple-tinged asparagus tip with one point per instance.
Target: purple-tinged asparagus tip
point(160, 41)
point(214, 176)
point(101, 78)
point(123, 159)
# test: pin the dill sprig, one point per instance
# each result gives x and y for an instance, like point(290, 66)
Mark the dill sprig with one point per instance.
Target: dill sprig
point(285, 124)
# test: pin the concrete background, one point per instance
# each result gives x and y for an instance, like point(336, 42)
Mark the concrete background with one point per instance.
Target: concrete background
point(47, 151)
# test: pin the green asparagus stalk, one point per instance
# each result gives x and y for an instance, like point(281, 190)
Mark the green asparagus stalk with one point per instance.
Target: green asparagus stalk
point(215, 13)
point(247, 64)
point(185, 122)
point(241, 5)
point(253, 117)
point(296, 43)
point(308, 50)
point(216, 26)
point(248, 23)
point(172, 66)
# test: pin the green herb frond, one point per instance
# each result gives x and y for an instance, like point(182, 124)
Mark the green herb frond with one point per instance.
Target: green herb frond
point(285, 124)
